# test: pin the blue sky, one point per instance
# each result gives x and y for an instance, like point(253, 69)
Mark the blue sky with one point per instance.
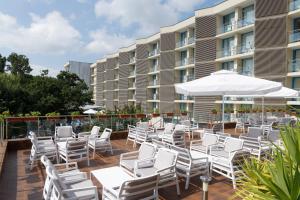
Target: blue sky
point(51, 32)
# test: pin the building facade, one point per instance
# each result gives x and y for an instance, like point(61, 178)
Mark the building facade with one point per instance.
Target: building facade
point(252, 37)
point(82, 69)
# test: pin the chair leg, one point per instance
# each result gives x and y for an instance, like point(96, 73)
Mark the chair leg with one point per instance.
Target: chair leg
point(187, 182)
point(94, 152)
point(177, 186)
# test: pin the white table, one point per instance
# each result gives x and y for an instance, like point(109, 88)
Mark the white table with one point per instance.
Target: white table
point(111, 177)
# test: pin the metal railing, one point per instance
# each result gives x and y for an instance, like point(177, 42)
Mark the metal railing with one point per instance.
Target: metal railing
point(184, 62)
point(154, 52)
point(187, 78)
point(294, 36)
point(2, 131)
point(235, 50)
point(235, 25)
point(294, 65)
point(154, 68)
point(185, 42)
point(154, 82)
point(132, 73)
point(294, 5)
point(184, 97)
point(132, 60)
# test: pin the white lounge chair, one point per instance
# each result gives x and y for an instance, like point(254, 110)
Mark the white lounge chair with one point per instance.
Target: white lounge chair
point(94, 132)
point(128, 160)
point(45, 140)
point(139, 188)
point(73, 150)
point(164, 164)
point(78, 190)
point(189, 165)
point(62, 133)
point(101, 143)
point(255, 146)
point(229, 147)
point(239, 126)
point(204, 144)
point(131, 134)
point(254, 132)
point(177, 137)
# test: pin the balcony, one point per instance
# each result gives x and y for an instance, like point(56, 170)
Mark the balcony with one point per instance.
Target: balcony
point(294, 36)
point(154, 82)
point(294, 5)
point(132, 60)
point(155, 96)
point(131, 85)
point(185, 62)
point(294, 68)
point(132, 74)
point(235, 50)
point(154, 69)
point(154, 52)
point(235, 25)
point(116, 76)
point(187, 78)
point(185, 42)
point(246, 73)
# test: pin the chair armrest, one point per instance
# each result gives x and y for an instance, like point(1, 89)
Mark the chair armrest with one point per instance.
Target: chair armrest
point(166, 169)
point(63, 167)
point(79, 176)
point(138, 164)
point(129, 155)
point(81, 134)
point(44, 138)
point(74, 135)
point(216, 146)
point(81, 189)
point(205, 159)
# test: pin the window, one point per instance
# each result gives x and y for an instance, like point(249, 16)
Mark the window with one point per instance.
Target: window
point(296, 83)
point(248, 15)
point(295, 63)
point(183, 58)
point(182, 76)
point(182, 106)
point(228, 66)
point(228, 22)
point(228, 46)
point(183, 36)
point(247, 42)
point(247, 67)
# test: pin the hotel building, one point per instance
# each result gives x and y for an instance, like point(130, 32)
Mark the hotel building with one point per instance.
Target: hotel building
point(258, 38)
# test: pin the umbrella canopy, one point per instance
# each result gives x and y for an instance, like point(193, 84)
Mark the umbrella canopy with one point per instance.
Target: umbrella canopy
point(90, 112)
point(284, 92)
point(225, 82)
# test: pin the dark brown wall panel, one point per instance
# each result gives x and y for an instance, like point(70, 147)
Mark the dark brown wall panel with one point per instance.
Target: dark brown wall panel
point(123, 83)
point(270, 33)
point(141, 81)
point(141, 51)
point(205, 50)
point(167, 93)
point(270, 63)
point(166, 77)
point(123, 71)
point(266, 8)
point(123, 97)
point(111, 63)
point(167, 41)
point(167, 60)
point(206, 26)
point(204, 69)
point(166, 107)
point(124, 58)
point(141, 97)
point(142, 66)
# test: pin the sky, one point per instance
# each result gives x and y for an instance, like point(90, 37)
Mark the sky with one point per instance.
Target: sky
point(52, 32)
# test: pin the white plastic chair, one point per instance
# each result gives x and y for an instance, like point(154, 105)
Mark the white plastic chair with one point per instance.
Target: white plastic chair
point(204, 144)
point(101, 143)
point(62, 133)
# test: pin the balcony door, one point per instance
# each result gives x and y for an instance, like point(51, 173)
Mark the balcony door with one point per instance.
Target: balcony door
point(296, 30)
point(228, 22)
point(247, 66)
point(248, 15)
point(296, 60)
point(228, 66)
point(247, 42)
point(183, 37)
point(228, 46)
point(183, 58)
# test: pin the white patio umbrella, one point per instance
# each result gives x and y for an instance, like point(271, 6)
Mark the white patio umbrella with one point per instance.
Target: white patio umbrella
point(225, 82)
point(90, 112)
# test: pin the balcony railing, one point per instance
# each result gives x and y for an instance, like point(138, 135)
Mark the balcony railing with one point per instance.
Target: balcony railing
point(132, 73)
point(294, 65)
point(187, 78)
point(246, 73)
point(154, 52)
point(235, 25)
point(187, 61)
point(294, 36)
point(235, 50)
point(184, 97)
point(154, 82)
point(185, 42)
point(132, 60)
point(294, 5)
point(155, 97)
point(154, 68)
point(132, 85)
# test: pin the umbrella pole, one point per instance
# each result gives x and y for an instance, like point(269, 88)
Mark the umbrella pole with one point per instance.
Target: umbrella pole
point(262, 110)
point(223, 112)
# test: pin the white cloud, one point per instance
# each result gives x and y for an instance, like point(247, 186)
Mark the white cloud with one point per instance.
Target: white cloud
point(37, 70)
point(103, 42)
point(148, 15)
point(82, 1)
point(51, 34)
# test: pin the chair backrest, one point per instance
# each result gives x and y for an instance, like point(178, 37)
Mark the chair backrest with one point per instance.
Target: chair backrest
point(222, 136)
point(63, 132)
point(144, 125)
point(48, 185)
point(131, 130)
point(146, 151)
point(251, 143)
point(180, 127)
point(254, 132)
point(274, 135)
point(76, 145)
point(233, 144)
point(165, 158)
point(95, 130)
point(209, 139)
point(106, 134)
point(178, 137)
point(169, 127)
point(140, 188)
point(184, 156)
point(141, 135)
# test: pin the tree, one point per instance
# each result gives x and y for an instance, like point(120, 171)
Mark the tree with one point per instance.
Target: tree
point(44, 72)
point(19, 64)
point(2, 63)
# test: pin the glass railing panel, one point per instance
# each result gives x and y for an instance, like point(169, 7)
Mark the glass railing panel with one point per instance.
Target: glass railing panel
point(294, 5)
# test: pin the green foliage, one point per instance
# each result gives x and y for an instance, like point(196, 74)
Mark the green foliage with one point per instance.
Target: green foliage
point(52, 114)
point(2, 64)
point(35, 113)
point(75, 113)
point(44, 72)
point(19, 64)
point(277, 178)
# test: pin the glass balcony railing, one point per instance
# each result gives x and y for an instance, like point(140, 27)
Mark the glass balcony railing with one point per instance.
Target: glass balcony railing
point(294, 36)
point(187, 78)
point(235, 50)
point(185, 97)
point(154, 52)
point(246, 73)
point(294, 65)
point(154, 68)
point(132, 73)
point(186, 61)
point(155, 97)
point(131, 85)
point(294, 5)
point(236, 25)
point(154, 82)
point(185, 42)
point(132, 60)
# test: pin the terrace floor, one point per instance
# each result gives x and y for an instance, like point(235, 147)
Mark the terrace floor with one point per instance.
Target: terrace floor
point(18, 182)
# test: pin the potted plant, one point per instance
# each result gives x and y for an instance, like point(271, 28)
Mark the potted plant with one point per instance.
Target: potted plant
point(170, 114)
point(155, 113)
point(183, 112)
point(214, 111)
point(53, 116)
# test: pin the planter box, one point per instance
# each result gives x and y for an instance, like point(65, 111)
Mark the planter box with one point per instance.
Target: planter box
point(184, 114)
point(53, 118)
point(170, 114)
point(155, 115)
point(78, 117)
point(103, 116)
point(22, 119)
point(140, 116)
point(124, 116)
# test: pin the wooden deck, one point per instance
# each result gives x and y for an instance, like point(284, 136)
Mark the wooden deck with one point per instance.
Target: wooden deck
point(18, 182)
